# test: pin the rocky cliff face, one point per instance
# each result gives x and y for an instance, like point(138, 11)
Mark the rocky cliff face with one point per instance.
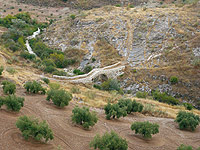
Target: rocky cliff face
point(154, 42)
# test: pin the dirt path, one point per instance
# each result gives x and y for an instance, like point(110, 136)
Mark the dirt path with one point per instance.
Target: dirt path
point(71, 137)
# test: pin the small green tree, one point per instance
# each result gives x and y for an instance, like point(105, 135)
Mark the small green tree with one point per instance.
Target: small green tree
point(188, 106)
point(8, 87)
point(187, 120)
point(34, 87)
point(114, 110)
point(110, 84)
point(131, 106)
point(84, 117)
point(13, 103)
point(1, 101)
point(33, 128)
point(140, 94)
point(1, 70)
point(109, 141)
point(145, 128)
point(46, 80)
point(60, 98)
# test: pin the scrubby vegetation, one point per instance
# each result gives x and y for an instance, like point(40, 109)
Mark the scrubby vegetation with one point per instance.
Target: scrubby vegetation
point(131, 106)
point(34, 87)
point(163, 97)
point(12, 102)
point(9, 87)
point(84, 117)
point(33, 128)
point(109, 141)
point(145, 128)
point(187, 120)
point(186, 147)
point(140, 94)
point(174, 79)
point(28, 56)
point(114, 110)
point(60, 98)
point(188, 106)
point(46, 80)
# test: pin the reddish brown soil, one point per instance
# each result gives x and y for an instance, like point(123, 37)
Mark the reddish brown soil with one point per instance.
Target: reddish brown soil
point(71, 137)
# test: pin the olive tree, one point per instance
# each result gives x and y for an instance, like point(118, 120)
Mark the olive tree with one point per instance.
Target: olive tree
point(187, 120)
point(8, 87)
point(13, 102)
point(84, 117)
point(34, 87)
point(114, 110)
point(60, 98)
point(31, 127)
point(109, 141)
point(145, 128)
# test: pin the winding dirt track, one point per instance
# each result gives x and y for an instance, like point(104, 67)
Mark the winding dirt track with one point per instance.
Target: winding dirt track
point(71, 137)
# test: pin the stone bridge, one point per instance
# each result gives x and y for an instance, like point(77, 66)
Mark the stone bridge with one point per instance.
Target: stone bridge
point(112, 71)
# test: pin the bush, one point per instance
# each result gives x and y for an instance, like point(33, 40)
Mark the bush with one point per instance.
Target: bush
point(87, 69)
point(141, 94)
point(33, 128)
point(26, 55)
point(1, 70)
point(184, 147)
point(187, 120)
point(49, 69)
point(78, 72)
point(46, 80)
point(72, 16)
point(97, 86)
point(110, 84)
point(34, 87)
point(188, 106)
point(174, 80)
point(114, 111)
point(59, 73)
point(60, 98)
point(8, 87)
point(13, 103)
point(131, 106)
point(54, 86)
point(145, 128)
point(163, 97)
point(109, 141)
point(84, 117)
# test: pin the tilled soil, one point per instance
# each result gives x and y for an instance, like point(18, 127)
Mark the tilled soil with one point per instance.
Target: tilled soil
point(71, 137)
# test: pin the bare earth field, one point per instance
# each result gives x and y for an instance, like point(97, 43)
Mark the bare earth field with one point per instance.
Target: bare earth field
point(71, 137)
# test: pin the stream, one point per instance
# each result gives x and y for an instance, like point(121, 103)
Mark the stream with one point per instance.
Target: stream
point(31, 37)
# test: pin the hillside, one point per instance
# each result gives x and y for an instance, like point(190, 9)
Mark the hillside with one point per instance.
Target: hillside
point(127, 61)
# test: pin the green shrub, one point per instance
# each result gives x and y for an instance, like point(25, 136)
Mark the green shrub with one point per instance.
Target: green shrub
point(145, 128)
point(141, 94)
point(184, 147)
point(14, 103)
point(34, 87)
point(54, 86)
point(26, 55)
point(188, 106)
point(87, 69)
point(8, 87)
point(59, 73)
point(20, 9)
point(60, 98)
point(187, 120)
point(114, 110)
point(46, 80)
point(174, 80)
point(109, 141)
point(110, 84)
point(33, 128)
point(75, 89)
point(118, 5)
point(84, 117)
point(78, 72)
point(163, 97)
point(131, 106)
point(49, 69)
point(97, 86)
point(1, 70)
